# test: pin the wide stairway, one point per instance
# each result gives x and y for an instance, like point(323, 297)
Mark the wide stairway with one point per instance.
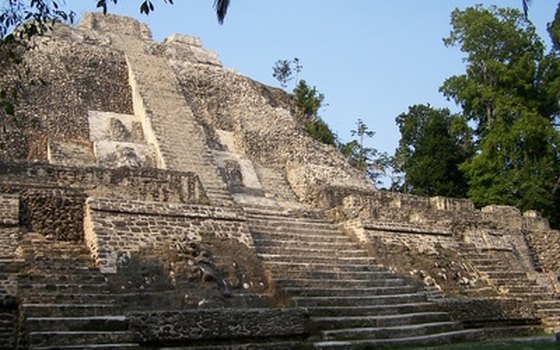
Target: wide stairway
point(352, 301)
point(65, 302)
point(512, 281)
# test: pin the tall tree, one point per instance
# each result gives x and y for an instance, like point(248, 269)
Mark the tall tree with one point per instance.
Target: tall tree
point(308, 101)
point(510, 92)
point(367, 159)
point(554, 30)
point(433, 144)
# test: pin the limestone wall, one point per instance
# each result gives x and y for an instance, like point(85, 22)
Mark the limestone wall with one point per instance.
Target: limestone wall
point(114, 229)
point(9, 209)
point(9, 239)
point(546, 248)
point(9, 221)
point(66, 75)
point(52, 197)
point(265, 130)
point(146, 184)
point(56, 213)
point(220, 325)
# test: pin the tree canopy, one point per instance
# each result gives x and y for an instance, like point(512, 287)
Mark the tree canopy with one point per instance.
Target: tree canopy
point(433, 143)
point(509, 95)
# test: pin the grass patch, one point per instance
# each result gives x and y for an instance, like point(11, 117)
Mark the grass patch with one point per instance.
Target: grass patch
point(529, 343)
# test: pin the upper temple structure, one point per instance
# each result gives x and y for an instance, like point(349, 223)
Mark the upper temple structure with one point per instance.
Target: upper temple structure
point(151, 198)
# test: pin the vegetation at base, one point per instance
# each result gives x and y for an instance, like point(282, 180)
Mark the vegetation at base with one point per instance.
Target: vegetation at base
point(529, 343)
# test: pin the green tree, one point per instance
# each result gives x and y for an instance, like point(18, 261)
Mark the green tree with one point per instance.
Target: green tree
point(308, 102)
point(282, 71)
point(367, 159)
point(433, 144)
point(554, 30)
point(510, 92)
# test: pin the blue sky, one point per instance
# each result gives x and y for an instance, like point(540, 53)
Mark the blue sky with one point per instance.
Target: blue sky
point(371, 58)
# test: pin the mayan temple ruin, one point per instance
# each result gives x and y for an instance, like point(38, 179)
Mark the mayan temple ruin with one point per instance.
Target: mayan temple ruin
point(152, 198)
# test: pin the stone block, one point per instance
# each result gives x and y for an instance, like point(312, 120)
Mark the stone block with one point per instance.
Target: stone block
point(219, 324)
point(9, 209)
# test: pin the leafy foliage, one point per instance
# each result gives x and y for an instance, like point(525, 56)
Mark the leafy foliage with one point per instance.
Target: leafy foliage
point(554, 30)
point(34, 16)
point(433, 144)
point(510, 91)
point(308, 102)
point(320, 131)
point(308, 99)
point(283, 71)
point(366, 159)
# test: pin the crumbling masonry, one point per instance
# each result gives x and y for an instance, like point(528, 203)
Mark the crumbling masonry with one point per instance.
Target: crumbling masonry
point(150, 197)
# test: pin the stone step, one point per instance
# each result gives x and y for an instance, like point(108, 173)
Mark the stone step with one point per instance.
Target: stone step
point(291, 224)
point(522, 289)
point(314, 259)
point(551, 320)
point(549, 312)
point(298, 250)
point(219, 194)
point(73, 324)
point(548, 304)
point(285, 272)
point(481, 262)
point(59, 269)
point(272, 345)
point(264, 212)
point(351, 291)
point(306, 237)
point(56, 338)
point(269, 216)
point(400, 331)
point(64, 288)
point(512, 331)
point(347, 322)
point(68, 298)
point(506, 275)
point(372, 310)
point(308, 301)
point(423, 340)
point(490, 268)
point(512, 282)
point(531, 296)
point(130, 346)
point(68, 310)
point(337, 283)
point(76, 277)
point(47, 250)
point(274, 242)
point(53, 258)
point(333, 265)
point(284, 231)
point(347, 270)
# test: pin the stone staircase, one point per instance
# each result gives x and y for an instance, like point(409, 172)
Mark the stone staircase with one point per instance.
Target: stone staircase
point(545, 249)
point(275, 184)
point(512, 281)
point(352, 301)
point(65, 302)
point(179, 138)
